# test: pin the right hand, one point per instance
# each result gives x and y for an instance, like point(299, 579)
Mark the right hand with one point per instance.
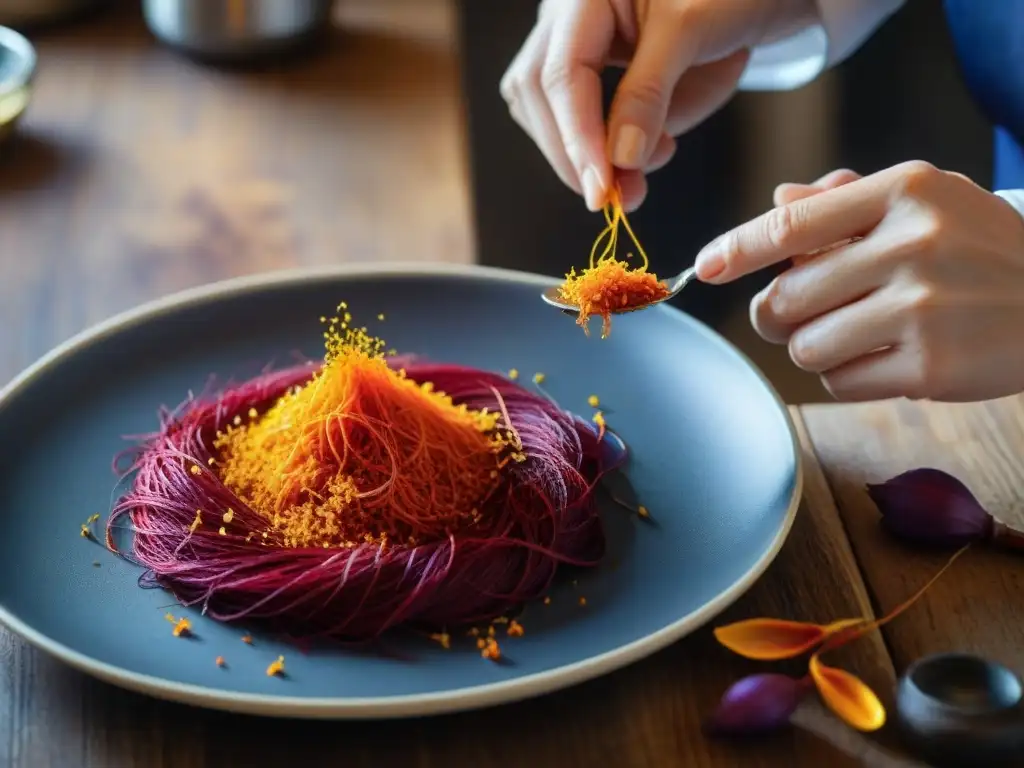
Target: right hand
point(683, 59)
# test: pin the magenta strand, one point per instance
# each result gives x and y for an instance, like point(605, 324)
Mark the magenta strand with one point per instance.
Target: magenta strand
point(543, 516)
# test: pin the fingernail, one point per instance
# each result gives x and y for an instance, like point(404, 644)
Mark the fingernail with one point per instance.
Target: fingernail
point(629, 147)
point(593, 190)
point(711, 260)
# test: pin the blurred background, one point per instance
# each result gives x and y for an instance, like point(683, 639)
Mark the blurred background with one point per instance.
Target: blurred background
point(166, 144)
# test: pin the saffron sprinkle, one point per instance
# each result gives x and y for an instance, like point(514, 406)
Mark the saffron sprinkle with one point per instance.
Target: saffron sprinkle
point(276, 668)
point(608, 285)
point(366, 493)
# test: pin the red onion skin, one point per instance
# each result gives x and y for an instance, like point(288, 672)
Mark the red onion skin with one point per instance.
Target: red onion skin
point(931, 508)
point(757, 705)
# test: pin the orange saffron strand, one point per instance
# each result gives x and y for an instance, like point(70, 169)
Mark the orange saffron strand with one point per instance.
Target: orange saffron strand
point(362, 454)
point(608, 285)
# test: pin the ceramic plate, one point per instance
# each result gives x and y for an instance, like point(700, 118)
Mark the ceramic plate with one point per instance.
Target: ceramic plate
point(714, 458)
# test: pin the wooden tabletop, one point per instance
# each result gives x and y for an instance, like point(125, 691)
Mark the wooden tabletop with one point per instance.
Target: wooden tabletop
point(139, 174)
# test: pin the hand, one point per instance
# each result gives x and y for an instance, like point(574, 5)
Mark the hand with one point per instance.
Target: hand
point(683, 59)
point(928, 304)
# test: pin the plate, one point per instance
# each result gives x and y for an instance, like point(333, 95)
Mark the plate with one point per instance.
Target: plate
point(714, 458)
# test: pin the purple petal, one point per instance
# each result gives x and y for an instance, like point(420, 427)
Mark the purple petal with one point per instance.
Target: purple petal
point(757, 705)
point(931, 507)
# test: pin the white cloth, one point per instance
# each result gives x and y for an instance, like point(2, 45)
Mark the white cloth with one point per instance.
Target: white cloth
point(843, 27)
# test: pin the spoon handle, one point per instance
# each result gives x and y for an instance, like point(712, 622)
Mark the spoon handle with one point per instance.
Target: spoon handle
point(813, 718)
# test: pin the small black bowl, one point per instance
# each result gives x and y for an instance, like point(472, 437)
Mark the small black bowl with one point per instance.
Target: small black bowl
point(960, 709)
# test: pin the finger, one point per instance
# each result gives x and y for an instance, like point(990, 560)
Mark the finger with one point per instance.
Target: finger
point(702, 91)
point(520, 87)
point(845, 334)
point(546, 135)
point(663, 153)
point(666, 49)
point(581, 39)
point(633, 189)
point(800, 227)
point(880, 375)
point(788, 193)
point(815, 286)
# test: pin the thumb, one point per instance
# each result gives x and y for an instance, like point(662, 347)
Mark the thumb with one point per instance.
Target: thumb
point(666, 49)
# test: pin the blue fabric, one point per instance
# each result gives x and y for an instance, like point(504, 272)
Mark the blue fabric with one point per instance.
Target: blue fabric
point(989, 40)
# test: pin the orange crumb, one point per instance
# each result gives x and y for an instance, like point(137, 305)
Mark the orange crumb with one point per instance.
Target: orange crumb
point(222, 531)
point(547, 601)
point(219, 661)
point(491, 650)
point(583, 601)
point(593, 401)
point(515, 629)
point(501, 620)
point(194, 469)
point(443, 638)
point(276, 667)
point(481, 643)
point(490, 631)
point(247, 639)
point(473, 632)
point(642, 511)
point(86, 531)
point(229, 516)
point(182, 627)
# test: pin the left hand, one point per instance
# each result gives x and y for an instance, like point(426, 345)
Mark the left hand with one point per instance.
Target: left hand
point(928, 304)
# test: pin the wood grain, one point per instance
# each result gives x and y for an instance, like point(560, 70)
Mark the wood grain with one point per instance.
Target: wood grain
point(977, 606)
point(649, 714)
point(139, 173)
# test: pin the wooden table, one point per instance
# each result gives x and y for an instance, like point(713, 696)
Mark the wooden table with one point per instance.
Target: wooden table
point(139, 174)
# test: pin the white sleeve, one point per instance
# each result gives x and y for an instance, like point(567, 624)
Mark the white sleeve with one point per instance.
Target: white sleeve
point(796, 60)
point(1014, 197)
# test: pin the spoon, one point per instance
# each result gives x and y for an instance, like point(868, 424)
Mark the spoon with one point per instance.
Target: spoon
point(675, 285)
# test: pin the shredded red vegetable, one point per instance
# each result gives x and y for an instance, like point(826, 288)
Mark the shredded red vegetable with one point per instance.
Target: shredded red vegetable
point(231, 547)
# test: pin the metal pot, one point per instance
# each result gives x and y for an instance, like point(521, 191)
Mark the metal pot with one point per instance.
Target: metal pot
point(17, 68)
point(236, 29)
point(26, 13)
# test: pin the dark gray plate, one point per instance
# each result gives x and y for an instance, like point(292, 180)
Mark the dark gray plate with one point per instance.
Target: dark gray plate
point(714, 458)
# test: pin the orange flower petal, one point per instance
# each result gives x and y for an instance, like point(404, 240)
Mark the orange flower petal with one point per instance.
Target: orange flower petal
point(774, 639)
point(847, 696)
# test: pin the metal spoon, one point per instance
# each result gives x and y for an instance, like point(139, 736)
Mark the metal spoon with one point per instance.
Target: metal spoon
point(675, 285)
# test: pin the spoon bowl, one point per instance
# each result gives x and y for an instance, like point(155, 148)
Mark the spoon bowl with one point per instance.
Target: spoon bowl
point(675, 286)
